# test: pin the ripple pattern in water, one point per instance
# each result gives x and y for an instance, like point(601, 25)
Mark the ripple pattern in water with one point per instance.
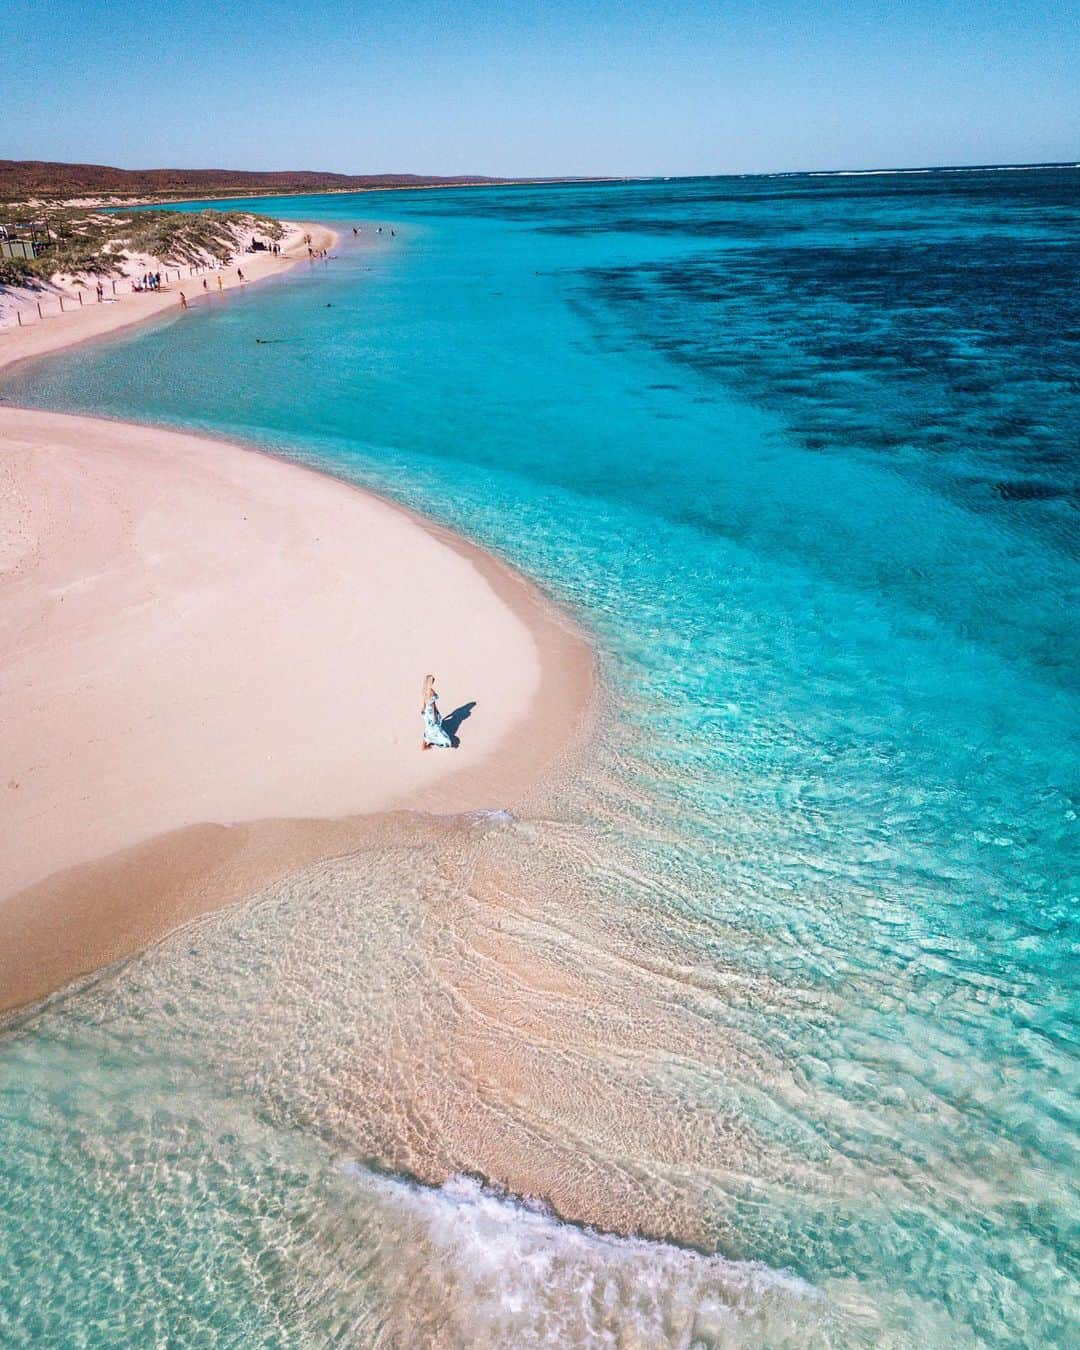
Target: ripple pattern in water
point(785, 971)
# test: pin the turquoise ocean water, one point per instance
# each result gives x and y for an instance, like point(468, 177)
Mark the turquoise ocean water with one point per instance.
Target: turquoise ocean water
point(772, 1000)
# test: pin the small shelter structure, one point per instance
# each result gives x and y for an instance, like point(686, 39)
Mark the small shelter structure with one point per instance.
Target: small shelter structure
point(26, 239)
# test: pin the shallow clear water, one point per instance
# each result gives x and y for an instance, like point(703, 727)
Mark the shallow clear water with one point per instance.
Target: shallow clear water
point(782, 980)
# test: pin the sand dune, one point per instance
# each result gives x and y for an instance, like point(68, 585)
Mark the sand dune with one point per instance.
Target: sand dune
point(40, 336)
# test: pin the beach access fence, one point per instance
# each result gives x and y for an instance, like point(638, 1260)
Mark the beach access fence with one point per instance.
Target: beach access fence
point(66, 302)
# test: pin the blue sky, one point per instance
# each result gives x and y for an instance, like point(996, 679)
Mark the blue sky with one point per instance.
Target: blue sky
point(521, 88)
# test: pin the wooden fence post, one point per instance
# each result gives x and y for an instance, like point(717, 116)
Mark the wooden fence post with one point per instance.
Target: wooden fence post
point(18, 315)
point(39, 313)
point(80, 299)
point(61, 304)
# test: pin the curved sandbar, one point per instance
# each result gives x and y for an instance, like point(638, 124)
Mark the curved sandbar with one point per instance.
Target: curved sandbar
point(211, 659)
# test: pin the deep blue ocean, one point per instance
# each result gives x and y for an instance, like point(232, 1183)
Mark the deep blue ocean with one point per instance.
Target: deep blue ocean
point(773, 1001)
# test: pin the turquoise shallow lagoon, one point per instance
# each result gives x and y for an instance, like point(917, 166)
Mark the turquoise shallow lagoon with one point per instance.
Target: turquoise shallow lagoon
point(774, 998)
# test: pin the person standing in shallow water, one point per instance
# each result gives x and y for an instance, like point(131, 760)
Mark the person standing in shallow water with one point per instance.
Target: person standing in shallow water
point(434, 733)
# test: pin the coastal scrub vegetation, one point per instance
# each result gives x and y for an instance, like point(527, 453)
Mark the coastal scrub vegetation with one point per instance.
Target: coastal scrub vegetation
point(95, 242)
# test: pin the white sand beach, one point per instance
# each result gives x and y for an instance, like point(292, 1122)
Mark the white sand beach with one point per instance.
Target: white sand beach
point(195, 637)
point(39, 336)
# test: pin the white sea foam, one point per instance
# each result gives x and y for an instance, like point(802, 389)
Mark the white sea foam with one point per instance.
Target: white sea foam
point(896, 173)
point(506, 1271)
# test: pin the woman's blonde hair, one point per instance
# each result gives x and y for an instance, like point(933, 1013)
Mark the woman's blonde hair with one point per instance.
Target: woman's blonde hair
point(429, 684)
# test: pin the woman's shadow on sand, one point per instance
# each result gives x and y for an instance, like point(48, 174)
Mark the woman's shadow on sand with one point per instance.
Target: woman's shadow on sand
point(453, 720)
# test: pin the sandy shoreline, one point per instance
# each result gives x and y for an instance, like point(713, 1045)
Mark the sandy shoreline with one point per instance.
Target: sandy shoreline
point(210, 663)
point(93, 320)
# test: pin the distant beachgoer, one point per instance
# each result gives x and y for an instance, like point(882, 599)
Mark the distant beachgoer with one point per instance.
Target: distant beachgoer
point(239, 274)
point(100, 292)
point(355, 230)
point(219, 281)
point(205, 284)
point(434, 732)
point(183, 300)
